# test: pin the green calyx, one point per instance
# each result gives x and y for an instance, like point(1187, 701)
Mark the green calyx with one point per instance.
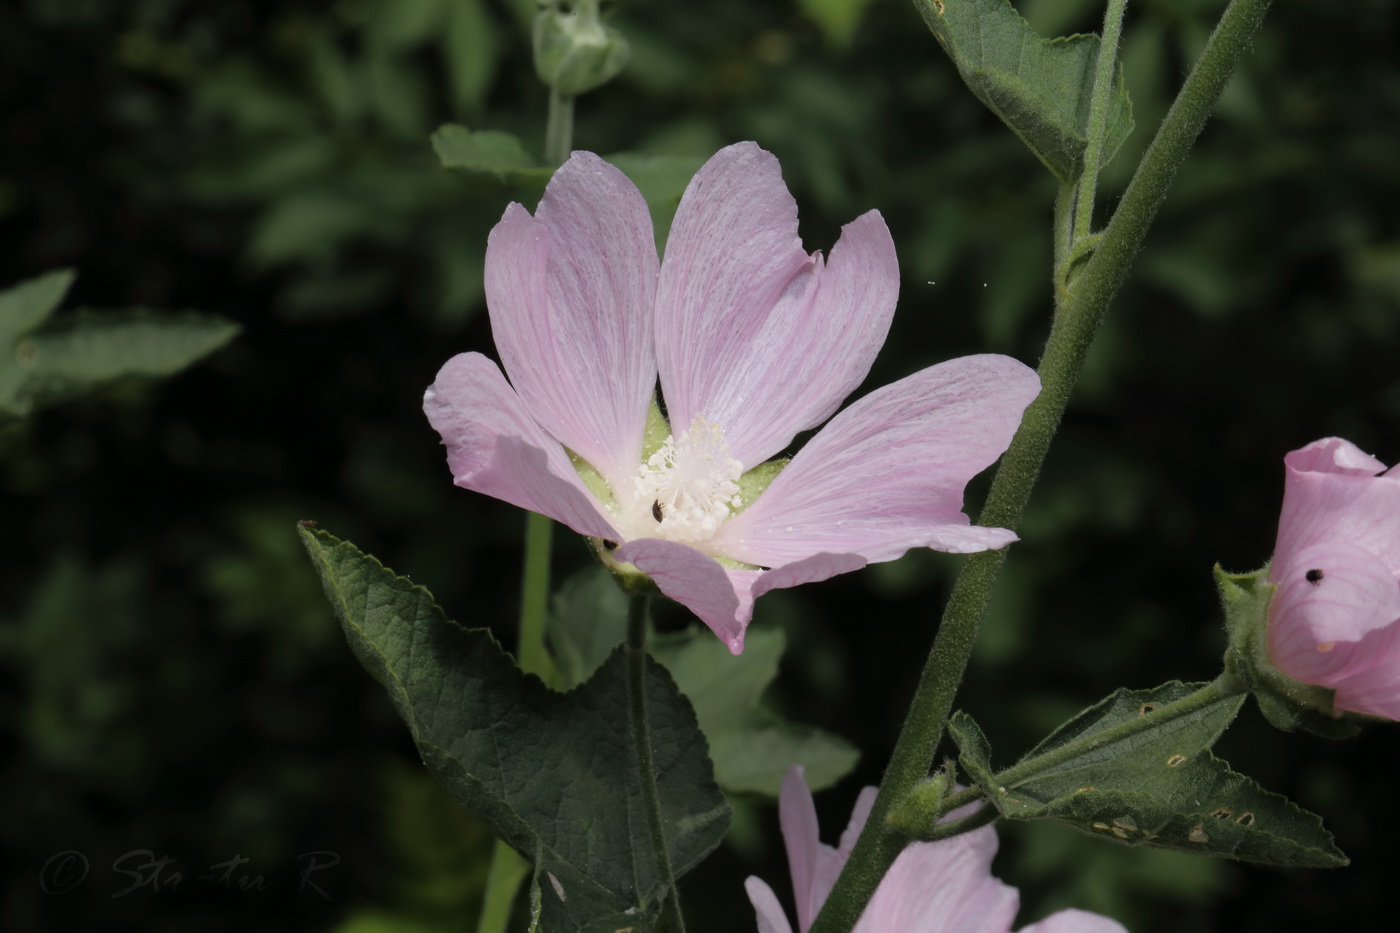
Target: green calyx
point(575, 51)
point(918, 813)
point(1288, 704)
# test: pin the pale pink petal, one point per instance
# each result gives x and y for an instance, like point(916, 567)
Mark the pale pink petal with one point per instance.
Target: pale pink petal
point(943, 887)
point(719, 597)
point(1373, 688)
point(571, 293)
point(785, 369)
point(495, 447)
point(1331, 493)
point(797, 815)
point(771, 918)
point(1329, 597)
point(888, 473)
point(1333, 455)
point(732, 254)
point(812, 569)
point(832, 861)
point(865, 801)
point(1075, 921)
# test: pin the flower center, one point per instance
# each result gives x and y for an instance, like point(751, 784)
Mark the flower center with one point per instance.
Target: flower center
point(691, 484)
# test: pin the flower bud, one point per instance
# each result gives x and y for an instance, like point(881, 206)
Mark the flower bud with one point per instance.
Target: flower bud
point(1316, 634)
point(575, 51)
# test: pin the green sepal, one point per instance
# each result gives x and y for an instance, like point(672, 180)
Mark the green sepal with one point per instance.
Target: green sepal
point(919, 812)
point(1040, 88)
point(554, 775)
point(656, 431)
point(756, 480)
point(1286, 703)
point(1158, 787)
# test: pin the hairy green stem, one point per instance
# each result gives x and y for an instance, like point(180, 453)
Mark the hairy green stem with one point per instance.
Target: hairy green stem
point(975, 820)
point(1076, 323)
point(641, 744)
point(559, 130)
point(1063, 231)
point(1100, 102)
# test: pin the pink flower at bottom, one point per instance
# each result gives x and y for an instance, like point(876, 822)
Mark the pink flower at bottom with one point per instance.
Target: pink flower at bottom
point(1334, 620)
point(932, 887)
point(753, 341)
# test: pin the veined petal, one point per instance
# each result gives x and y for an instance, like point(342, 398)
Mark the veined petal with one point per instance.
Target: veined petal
point(571, 293)
point(1328, 593)
point(731, 256)
point(943, 887)
point(719, 597)
point(1375, 688)
point(888, 473)
point(813, 348)
point(1333, 455)
point(797, 815)
point(495, 447)
point(1332, 493)
point(1075, 921)
point(771, 918)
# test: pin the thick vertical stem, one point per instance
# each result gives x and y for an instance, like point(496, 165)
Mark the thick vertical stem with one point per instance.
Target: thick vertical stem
point(1075, 324)
point(559, 130)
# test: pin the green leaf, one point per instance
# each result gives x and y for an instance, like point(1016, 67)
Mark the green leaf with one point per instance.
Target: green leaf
point(838, 19)
point(22, 308)
point(750, 745)
point(470, 48)
point(1157, 787)
point(554, 775)
point(25, 306)
point(1040, 88)
point(79, 351)
point(488, 155)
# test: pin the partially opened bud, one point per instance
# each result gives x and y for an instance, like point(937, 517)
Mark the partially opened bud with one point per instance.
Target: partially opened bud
point(1321, 636)
point(575, 51)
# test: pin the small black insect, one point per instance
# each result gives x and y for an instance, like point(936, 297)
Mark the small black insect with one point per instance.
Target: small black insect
point(656, 510)
point(1313, 576)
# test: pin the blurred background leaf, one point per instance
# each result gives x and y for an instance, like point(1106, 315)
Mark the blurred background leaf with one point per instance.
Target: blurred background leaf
point(271, 163)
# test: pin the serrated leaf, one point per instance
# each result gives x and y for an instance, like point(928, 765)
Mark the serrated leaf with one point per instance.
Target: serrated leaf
point(488, 155)
point(78, 351)
point(1158, 787)
point(554, 775)
point(1040, 88)
point(751, 747)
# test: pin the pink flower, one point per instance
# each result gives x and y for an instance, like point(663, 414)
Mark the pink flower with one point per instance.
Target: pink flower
point(1333, 621)
point(754, 341)
point(933, 887)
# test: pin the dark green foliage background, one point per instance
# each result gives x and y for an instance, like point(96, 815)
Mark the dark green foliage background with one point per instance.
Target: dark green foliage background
point(171, 678)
